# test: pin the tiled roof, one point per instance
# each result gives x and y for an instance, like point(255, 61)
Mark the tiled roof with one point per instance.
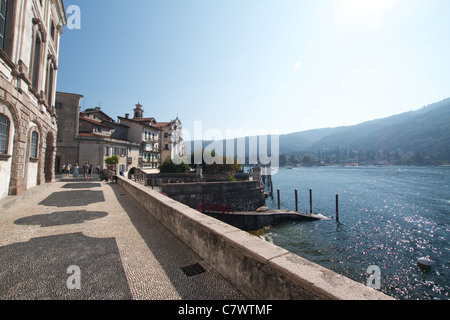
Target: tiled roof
point(98, 123)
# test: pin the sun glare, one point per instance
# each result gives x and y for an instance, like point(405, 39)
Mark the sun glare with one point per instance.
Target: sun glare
point(372, 11)
point(364, 7)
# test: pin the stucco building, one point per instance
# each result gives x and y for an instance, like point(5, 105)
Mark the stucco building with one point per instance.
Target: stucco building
point(171, 139)
point(143, 132)
point(158, 140)
point(91, 136)
point(29, 50)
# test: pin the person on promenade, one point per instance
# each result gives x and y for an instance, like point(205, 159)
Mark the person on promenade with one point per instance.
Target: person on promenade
point(86, 170)
point(90, 170)
point(76, 171)
point(68, 169)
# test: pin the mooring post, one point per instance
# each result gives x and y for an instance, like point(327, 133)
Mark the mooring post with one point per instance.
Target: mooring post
point(310, 201)
point(271, 190)
point(296, 200)
point(278, 193)
point(337, 208)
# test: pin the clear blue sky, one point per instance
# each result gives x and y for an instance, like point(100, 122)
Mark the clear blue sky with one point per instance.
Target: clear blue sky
point(279, 65)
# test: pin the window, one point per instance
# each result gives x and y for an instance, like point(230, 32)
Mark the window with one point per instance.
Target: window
point(4, 134)
point(36, 63)
point(50, 85)
point(53, 31)
point(34, 145)
point(36, 55)
point(2, 22)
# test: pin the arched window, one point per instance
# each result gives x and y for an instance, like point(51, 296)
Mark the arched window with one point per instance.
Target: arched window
point(4, 134)
point(34, 145)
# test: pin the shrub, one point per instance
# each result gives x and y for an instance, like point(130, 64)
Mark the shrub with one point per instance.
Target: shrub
point(169, 167)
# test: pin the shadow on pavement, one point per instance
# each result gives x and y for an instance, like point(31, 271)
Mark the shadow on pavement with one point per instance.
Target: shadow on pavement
point(61, 218)
point(174, 256)
point(81, 185)
point(73, 198)
point(39, 269)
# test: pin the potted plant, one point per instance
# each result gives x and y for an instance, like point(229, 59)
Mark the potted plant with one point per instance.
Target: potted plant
point(112, 162)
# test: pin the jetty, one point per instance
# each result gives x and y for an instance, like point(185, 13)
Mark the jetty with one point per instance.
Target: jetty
point(252, 221)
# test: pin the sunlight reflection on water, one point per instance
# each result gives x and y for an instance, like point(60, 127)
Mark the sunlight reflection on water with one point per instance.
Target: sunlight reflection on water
point(389, 217)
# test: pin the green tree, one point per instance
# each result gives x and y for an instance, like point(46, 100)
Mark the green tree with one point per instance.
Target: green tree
point(113, 160)
point(307, 160)
point(169, 167)
point(227, 165)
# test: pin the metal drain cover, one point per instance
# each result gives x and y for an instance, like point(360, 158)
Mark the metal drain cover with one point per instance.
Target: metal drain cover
point(193, 270)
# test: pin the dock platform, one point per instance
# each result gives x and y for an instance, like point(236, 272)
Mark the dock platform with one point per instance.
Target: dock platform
point(252, 220)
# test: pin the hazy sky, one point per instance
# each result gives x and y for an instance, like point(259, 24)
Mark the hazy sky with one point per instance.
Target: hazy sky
point(276, 65)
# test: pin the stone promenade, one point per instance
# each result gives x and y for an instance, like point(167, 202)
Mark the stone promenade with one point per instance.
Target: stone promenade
point(88, 240)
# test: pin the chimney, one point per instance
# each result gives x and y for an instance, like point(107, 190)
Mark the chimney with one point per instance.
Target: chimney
point(127, 116)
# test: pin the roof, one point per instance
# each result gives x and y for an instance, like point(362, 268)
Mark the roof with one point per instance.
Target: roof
point(106, 138)
point(95, 122)
point(144, 120)
point(140, 121)
point(92, 135)
point(161, 124)
point(99, 111)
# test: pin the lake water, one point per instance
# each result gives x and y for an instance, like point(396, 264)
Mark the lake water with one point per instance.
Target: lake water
point(389, 217)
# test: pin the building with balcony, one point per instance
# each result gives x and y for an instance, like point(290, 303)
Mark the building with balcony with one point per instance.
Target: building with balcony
point(91, 136)
point(29, 49)
point(143, 132)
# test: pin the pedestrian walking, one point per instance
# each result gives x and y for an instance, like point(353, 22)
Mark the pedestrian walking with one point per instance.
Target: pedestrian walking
point(90, 169)
point(86, 170)
point(76, 171)
point(98, 169)
point(68, 169)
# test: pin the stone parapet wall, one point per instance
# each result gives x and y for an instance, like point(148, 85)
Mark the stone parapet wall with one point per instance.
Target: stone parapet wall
point(242, 195)
point(260, 270)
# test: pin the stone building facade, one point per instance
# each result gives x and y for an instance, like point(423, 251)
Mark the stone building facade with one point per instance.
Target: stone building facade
point(29, 50)
point(67, 107)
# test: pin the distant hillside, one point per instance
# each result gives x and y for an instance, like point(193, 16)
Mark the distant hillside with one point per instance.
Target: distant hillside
point(415, 137)
point(427, 129)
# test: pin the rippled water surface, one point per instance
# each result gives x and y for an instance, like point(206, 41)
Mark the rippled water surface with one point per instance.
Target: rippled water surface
point(389, 217)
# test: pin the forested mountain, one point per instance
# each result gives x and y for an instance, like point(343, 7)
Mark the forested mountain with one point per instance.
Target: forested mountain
point(419, 137)
point(415, 137)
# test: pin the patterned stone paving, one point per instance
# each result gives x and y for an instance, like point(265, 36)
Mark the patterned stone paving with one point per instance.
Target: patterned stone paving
point(90, 241)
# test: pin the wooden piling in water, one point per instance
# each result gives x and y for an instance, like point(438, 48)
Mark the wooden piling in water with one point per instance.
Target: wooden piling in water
point(337, 208)
point(279, 205)
point(271, 190)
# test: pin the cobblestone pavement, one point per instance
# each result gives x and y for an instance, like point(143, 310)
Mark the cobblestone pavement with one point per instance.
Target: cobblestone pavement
point(87, 240)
